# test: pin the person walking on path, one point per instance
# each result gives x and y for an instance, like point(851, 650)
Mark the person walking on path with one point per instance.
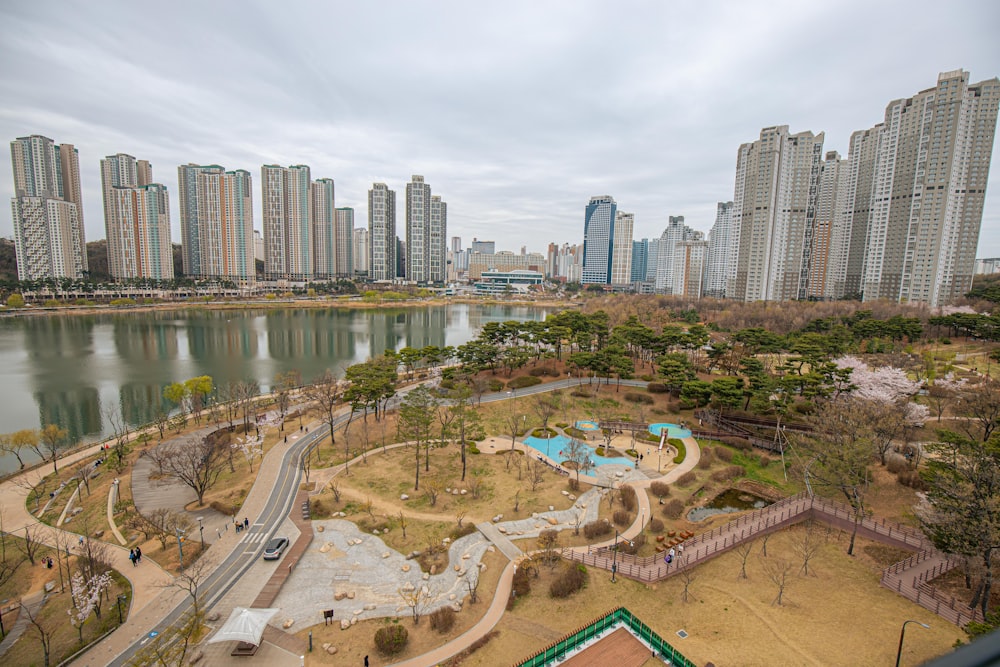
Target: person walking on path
point(131, 556)
point(246, 523)
point(138, 555)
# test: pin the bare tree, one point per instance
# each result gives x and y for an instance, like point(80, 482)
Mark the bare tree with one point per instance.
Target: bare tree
point(687, 576)
point(190, 581)
point(536, 473)
point(369, 507)
point(743, 549)
point(777, 570)
point(85, 473)
point(418, 600)
point(197, 464)
point(170, 647)
point(433, 490)
point(31, 544)
point(42, 630)
point(459, 517)
point(578, 454)
point(35, 483)
point(807, 544)
point(334, 486)
point(476, 484)
point(763, 543)
point(547, 540)
point(472, 584)
point(403, 523)
point(326, 392)
point(577, 522)
point(160, 420)
point(517, 501)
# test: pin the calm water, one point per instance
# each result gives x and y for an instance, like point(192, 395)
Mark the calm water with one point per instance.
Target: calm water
point(83, 371)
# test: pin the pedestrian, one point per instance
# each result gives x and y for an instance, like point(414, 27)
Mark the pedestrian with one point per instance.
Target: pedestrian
point(671, 553)
point(81, 541)
point(131, 556)
point(680, 549)
point(138, 555)
point(246, 522)
point(366, 661)
point(48, 562)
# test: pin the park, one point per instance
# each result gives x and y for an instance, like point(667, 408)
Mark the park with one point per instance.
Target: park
point(485, 504)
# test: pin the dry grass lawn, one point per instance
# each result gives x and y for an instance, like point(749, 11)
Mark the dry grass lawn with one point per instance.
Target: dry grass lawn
point(840, 616)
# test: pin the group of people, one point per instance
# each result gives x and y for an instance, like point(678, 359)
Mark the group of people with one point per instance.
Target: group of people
point(135, 555)
point(242, 525)
point(668, 558)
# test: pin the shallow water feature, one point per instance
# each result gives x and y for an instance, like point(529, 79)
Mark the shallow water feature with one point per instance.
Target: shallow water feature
point(728, 502)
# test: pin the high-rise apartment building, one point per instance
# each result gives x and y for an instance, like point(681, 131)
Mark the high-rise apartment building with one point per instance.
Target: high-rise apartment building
point(929, 185)
point(325, 231)
point(774, 199)
point(831, 230)
point(362, 247)
point(456, 244)
point(345, 242)
point(289, 237)
point(484, 247)
point(426, 233)
point(381, 232)
point(720, 251)
point(675, 232)
point(136, 220)
point(217, 223)
point(141, 218)
point(47, 210)
point(598, 240)
point(621, 254)
point(689, 268)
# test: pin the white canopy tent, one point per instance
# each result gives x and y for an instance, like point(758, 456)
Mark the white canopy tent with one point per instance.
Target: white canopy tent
point(244, 625)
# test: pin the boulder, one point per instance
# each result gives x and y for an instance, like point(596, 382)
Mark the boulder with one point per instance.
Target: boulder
point(464, 491)
point(375, 531)
point(565, 492)
point(354, 620)
point(344, 624)
point(385, 554)
point(326, 645)
point(339, 595)
point(332, 650)
point(553, 521)
point(350, 595)
point(447, 489)
point(552, 508)
point(446, 540)
point(458, 568)
point(491, 549)
point(320, 528)
point(501, 529)
point(403, 496)
point(49, 586)
point(434, 569)
point(426, 576)
point(451, 597)
point(214, 616)
point(288, 623)
point(370, 606)
point(571, 497)
point(465, 556)
point(405, 567)
point(357, 612)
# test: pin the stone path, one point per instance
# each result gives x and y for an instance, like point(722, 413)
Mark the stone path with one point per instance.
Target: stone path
point(33, 603)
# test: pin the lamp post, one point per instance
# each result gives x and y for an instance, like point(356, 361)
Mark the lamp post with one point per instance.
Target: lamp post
point(614, 558)
point(201, 530)
point(180, 547)
point(121, 598)
point(902, 632)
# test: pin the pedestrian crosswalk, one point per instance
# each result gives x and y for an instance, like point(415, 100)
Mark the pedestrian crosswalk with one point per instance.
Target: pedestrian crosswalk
point(254, 538)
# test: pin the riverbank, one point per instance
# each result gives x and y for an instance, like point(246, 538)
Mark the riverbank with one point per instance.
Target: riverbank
point(317, 303)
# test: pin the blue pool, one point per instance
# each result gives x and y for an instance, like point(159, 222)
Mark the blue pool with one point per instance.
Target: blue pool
point(552, 446)
point(673, 430)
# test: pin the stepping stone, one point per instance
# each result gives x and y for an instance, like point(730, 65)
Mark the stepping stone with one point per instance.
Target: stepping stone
point(339, 595)
point(406, 568)
point(370, 606)
point(465, 556)
point(385, 554)
point(404, 497)
point(350, 595)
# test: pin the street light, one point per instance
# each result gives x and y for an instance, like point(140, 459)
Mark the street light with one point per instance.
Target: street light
point(201, 529)
point(614, 558)
point(902, 632)
point(121, 598)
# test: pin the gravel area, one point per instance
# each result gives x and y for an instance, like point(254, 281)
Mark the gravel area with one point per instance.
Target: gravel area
point(344, 560)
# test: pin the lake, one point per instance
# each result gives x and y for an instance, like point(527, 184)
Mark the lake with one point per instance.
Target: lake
point(83, 372)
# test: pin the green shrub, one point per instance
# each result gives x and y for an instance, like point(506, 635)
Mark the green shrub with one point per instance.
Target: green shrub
point(599, 451)
point(472, 449)
point(524, 381)
point(657, 388)
point(496, 385)
point(443, 619)
point(673, 509)
point(561, 424)
point(391, 639)
point(635, 397)
point(575, 433)
point(647, 377)
point(572, 578)
point(681, 449)
point(596, 529)
point(543, 433)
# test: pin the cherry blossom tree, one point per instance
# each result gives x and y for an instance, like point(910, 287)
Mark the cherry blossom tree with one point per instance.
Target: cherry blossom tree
point(252, 448)
point(86, 595)
point(886, 385)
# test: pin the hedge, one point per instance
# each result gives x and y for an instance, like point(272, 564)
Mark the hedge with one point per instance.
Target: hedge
point(681, 449)
point(524, 381)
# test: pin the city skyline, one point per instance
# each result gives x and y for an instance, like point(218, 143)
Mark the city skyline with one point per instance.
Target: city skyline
point(510, 130)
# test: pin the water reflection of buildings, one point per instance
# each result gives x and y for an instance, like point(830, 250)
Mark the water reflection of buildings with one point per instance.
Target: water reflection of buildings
point(139, 403)
point(137, 340)
point(78, 410)
point(214, 338)
point(423, 327)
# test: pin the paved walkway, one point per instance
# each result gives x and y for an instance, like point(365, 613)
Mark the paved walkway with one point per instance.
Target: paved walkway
point(33, 603)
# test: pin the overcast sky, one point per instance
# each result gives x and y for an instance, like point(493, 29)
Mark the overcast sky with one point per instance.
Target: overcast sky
point(516, 113)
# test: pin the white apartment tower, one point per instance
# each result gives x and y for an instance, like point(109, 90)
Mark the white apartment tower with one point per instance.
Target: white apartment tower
point(675, 232)
point(47, 211)
point(361, 249)
point(689, 268)
point(217, 223)
point(774, 196)
point(345, 242)
point(289, 236)
point(720, 251)
point(426, 233)
point(929, 183)
point(136, 220)
point(621, 254)
point(831, 230)
point(324, 226)
point(381, 232)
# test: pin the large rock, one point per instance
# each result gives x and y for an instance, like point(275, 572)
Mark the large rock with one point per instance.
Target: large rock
point(405, 567)
point(332, 650)
point(403, 496)
point(288, 623)
point(553, 521)
point(350, 595)
point(339, 595)
point(320, 528)
point(344, 624)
